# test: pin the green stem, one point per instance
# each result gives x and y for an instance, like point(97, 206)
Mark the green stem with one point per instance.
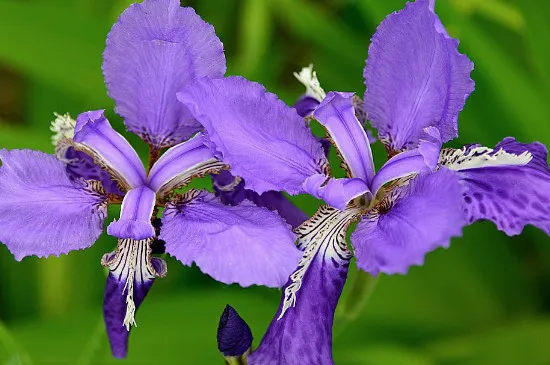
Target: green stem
point(354, 300)
point(12, 347)
point(93, 347)
point(236, 360)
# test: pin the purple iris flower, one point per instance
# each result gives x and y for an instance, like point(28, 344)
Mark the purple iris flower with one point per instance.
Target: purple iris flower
point(53, 204)
point(416, 84)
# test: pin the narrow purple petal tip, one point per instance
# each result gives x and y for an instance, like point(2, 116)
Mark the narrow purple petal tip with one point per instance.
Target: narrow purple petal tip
point(114, 311)
point(234, 335)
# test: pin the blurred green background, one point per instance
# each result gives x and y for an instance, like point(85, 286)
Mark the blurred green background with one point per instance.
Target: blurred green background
point(486, 300)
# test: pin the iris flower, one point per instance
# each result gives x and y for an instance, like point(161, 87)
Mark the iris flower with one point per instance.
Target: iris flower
point(53, 204)
point(416, 84)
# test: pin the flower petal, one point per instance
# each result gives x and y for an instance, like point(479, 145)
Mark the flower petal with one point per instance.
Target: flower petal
point(414, 220)
point(302, 327)
point(508, 185)
point(231, 191)
point(132, 273)
point(263, 140)
point(43, 212)
point(337, 114)
point(82, 166)
point(415, 77)
point(178, 165)
point(244, 244)
point(401, 165)
point(95, 136)
point(305, 105)
point(79, 164)
point(135, 215)
point(335, 192)
point(155, 49)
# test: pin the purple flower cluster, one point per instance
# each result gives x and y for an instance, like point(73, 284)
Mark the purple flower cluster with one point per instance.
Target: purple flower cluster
point(165, 69)
point(53, 204)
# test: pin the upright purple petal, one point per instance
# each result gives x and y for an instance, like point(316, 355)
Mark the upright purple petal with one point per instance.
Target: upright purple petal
point(177, 166)
point(263, 140)
point(304, 330)
point(95, 136)
point(337, 114)
point(43, 212)
point(155, 49)
point(242, 244)
point(231, 191)
point(413, 220)
point(132, 273)
point(135, 215)
point(509, 190)
point(415, 77)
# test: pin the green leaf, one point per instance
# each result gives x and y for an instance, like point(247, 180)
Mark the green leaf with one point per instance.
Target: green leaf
point(382, 354)
point(354, 299)
point(177, 327)
point(53, 42)
point(11, 352)
point(254, 34)
point(310, 22)
point(511, 83)
point(525, 342)
point(499, 11)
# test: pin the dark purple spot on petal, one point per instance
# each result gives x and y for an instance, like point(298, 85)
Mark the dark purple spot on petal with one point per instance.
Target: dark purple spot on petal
point(542, 198)
point(482, 209)
point(523, 197)
point(478, 196)
point(503, 194)
point(539, 207)
point(498, 207)
point(467, 199)
point(518, 203)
